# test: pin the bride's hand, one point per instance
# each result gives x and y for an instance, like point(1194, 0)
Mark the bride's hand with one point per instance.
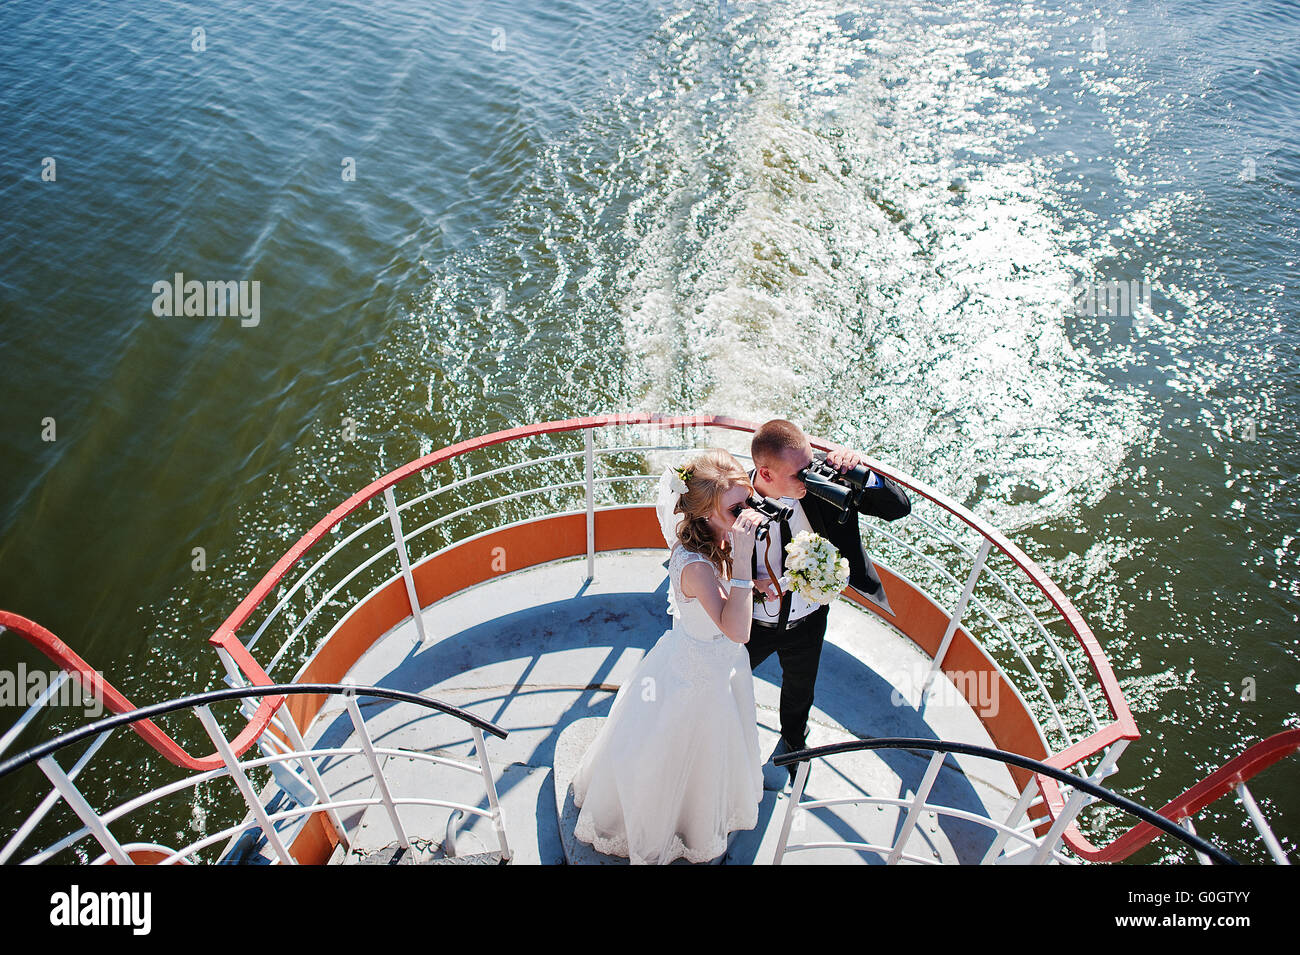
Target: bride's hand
point(742, 535)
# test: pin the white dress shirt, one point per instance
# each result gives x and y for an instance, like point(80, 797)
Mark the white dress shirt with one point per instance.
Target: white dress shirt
point(769, 611)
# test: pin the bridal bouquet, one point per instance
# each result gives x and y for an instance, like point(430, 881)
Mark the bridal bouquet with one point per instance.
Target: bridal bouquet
point(815, 568)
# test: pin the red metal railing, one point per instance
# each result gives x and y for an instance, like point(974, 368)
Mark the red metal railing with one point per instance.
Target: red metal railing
point(1219, 783)
point(66, 659)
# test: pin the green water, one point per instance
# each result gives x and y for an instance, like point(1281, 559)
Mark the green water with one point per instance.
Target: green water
point(867, 223)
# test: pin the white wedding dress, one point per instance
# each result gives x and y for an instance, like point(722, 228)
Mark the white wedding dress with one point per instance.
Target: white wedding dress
point(675, 767)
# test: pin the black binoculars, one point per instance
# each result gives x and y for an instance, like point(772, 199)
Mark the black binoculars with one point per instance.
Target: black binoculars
point(769, 508)
point(842, 491)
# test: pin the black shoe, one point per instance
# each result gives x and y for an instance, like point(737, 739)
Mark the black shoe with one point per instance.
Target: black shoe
point(773, 776)
point(794, 767)
point(794, 771)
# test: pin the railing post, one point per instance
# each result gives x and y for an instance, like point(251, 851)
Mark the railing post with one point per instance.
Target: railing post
point(489, 783)
point(32, 821)
point(93, 822)
point(1261, 824)
point(395, 519)
point(245, 787)
point(1186, 823)
point(955, 620)
point(918, 803)
point(796, 793)
point(1076, 802)
point(1017, 813)
point(317, 784)
point(50, 692)
point(235, 678)
point(368, 748)
point(589, 443)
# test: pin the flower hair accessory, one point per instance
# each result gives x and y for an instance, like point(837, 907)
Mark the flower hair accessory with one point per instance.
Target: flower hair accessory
point(681, 478)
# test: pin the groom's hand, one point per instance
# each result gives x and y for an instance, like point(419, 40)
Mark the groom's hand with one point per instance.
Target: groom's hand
point(844, 459)
point(767, 588)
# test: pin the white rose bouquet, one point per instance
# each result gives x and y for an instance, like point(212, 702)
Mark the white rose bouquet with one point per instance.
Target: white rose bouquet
point(815, 568)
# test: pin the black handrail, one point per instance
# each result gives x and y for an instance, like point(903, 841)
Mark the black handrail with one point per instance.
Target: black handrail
point(237, 693)
point(1015, 759)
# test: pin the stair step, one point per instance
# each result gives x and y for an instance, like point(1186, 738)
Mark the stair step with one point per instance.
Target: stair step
point(395, 855)
point(534, 837)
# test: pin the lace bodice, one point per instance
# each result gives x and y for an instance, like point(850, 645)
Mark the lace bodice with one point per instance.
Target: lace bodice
point(688, 611)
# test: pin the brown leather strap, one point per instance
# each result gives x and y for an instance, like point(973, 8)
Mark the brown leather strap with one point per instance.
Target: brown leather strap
point(787, 597)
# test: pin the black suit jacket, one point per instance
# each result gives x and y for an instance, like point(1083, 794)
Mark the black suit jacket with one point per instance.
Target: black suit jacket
point(888, 501)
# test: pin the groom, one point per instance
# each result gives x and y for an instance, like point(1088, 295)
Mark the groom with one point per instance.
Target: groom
point(792, 626)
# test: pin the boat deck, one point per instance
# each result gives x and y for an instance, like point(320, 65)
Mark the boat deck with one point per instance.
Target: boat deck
point(545, 668)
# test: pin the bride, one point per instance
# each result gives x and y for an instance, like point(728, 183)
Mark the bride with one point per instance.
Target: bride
point(676, 767)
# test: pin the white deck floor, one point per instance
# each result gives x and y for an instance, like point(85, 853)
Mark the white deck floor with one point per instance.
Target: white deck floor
point(522, 650)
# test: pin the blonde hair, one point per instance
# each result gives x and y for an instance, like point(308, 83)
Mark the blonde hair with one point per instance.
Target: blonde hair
point(712, 474)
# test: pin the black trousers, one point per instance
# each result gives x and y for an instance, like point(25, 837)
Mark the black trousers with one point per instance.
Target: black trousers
point(799, 649)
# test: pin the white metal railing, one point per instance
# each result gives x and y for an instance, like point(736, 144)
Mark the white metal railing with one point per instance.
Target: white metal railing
point(97, 825)
point(957, 619)
point(1261, 825)
point(929, 539)
point(51, 799)
point(989, 573)
point(1003, 623)
point(1013, 828)
point(588, 484)
point(37, 706)
point(302, 580)
point(1257, 819)
point(1018, 828)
